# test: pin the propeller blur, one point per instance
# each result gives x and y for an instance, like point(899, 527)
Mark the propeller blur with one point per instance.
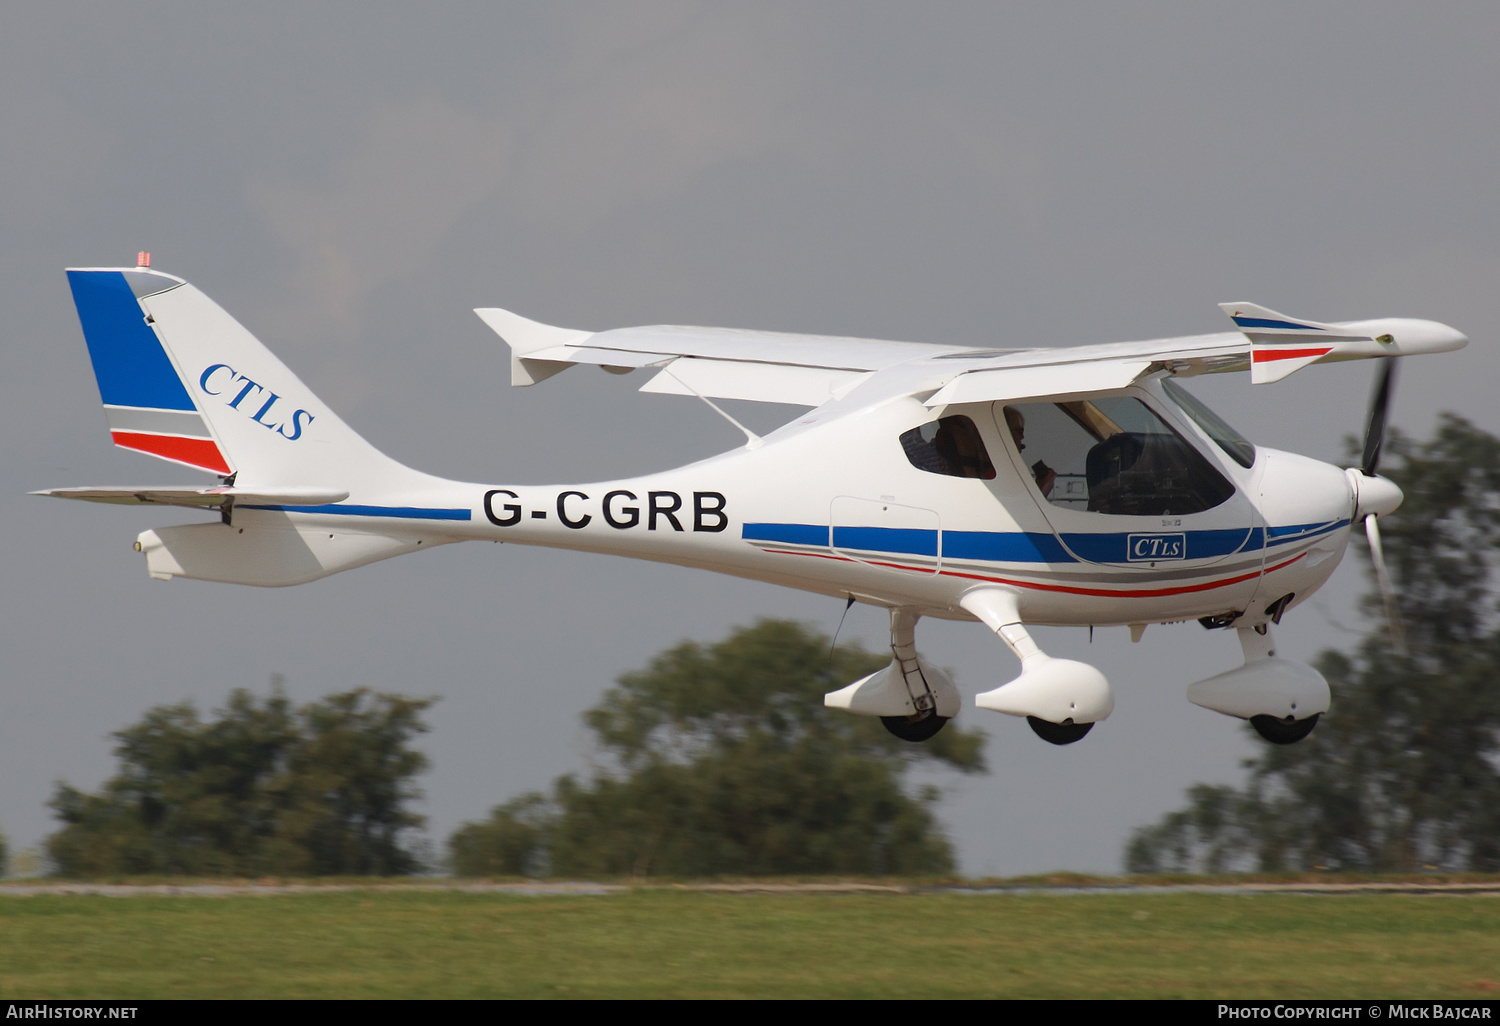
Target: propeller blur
point(1012, 486)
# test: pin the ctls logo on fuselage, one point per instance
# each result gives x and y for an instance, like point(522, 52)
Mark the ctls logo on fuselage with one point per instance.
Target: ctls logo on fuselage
point(223, 380)
point(1148, 548)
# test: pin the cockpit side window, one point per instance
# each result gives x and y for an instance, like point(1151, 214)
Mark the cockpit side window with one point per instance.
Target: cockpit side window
point(950, 446)
point(1113, 455)
point(1236, 445)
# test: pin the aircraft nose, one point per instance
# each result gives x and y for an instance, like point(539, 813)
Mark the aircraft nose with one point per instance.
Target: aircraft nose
point(1377, 495)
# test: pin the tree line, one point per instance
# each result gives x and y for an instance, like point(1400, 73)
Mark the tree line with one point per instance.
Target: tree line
point(262, 788)
point(721, 759)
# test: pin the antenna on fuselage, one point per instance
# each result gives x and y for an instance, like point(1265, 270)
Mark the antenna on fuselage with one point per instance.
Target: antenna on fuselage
point(847, 606)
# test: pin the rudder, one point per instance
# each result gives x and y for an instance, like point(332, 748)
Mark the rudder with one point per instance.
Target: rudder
point(148, 407)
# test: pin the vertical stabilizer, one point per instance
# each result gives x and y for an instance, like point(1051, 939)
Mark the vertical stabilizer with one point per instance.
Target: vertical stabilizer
point(184, 381)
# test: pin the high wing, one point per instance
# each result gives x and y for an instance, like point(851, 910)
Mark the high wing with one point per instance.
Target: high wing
point(722, 363)
point(809, 370)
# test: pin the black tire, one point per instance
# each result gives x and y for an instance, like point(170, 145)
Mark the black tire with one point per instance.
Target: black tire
point(1282, 732)
point(1058, 733)
point(914, 730)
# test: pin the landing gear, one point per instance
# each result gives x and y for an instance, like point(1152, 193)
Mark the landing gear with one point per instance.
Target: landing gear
point(908, 729)
point(912, 697)
point(1284, 732)
point(1059, 733)
point(1062, 699)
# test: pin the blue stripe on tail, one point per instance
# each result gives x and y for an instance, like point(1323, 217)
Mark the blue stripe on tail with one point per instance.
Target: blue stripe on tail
point(129, 363)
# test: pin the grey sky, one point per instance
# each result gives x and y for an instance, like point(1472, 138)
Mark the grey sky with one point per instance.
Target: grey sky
point(349, 180)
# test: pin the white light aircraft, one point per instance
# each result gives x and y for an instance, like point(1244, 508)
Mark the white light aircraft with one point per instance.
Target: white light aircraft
point(1079, 486)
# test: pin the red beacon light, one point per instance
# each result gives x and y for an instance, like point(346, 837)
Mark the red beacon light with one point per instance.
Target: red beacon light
point(143, 259)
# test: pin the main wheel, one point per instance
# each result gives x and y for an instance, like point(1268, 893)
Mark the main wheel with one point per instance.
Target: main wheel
point(914, 730)
point(1284, 732)
point(1058, 733)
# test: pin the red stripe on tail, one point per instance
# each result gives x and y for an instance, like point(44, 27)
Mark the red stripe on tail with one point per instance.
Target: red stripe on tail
point(202, 453)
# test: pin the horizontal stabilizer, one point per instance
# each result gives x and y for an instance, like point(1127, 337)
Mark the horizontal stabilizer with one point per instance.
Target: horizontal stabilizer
point(203, 498)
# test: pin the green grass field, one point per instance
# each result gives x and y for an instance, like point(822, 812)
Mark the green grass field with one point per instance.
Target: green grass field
point(666, 943)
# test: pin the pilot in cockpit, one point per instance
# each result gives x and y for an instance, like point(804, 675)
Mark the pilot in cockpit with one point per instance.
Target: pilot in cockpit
point(1045, 476)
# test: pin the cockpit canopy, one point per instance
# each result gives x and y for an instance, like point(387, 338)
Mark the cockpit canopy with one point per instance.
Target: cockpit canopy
point(1113, 455)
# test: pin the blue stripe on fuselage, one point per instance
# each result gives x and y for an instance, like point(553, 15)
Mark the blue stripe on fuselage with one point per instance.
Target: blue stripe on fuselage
point(399, 512)
point(1029, 546)
point(1007, 547)
point(905, 541)
point(787, 534)
point(1300, 532)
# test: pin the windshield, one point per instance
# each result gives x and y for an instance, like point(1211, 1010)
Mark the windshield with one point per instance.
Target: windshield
point(1231, 441)
point(1113, 455)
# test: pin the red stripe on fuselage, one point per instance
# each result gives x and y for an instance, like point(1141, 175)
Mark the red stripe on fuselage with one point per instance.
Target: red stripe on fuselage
point(1066, 589)
point(202, 453)
point(1132, 592)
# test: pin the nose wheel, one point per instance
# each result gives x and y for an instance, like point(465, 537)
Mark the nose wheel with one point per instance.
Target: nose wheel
point(1284, 732)
point(1058, 733)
